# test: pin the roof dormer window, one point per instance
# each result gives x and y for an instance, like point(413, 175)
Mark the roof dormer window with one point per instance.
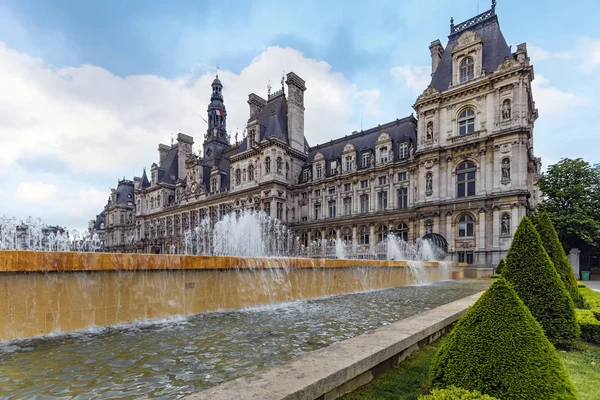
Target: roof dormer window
point(467, 69)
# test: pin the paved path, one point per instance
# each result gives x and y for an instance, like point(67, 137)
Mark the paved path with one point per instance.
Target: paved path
point(595, 285)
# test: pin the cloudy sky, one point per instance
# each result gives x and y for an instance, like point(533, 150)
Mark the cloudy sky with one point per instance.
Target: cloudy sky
point(89, 89)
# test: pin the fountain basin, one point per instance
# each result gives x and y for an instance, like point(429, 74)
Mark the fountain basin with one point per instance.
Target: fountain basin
point(44, 292)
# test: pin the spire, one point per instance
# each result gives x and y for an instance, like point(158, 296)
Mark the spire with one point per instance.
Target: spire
point(216, 139)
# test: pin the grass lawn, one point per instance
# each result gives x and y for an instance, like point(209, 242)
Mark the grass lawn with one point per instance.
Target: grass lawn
point(409, 379)
point(583, 366)
point(406, 381)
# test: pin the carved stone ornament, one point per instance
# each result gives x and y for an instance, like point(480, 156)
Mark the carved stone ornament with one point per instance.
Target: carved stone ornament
point(507, 63)
point(429, 91)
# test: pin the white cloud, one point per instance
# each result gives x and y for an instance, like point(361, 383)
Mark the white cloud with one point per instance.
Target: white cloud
point(589, 52)
point(416, 78)
point(35, 192)
point(540, 54)
point(84, 121)
point(553, 102)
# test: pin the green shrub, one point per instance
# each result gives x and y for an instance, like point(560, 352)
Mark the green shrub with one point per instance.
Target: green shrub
point(543, 224)
point(500, 267)
point(590, 326)
point(591, 298)
point(495, 276)
point(454, 393)
point(499, 349)
point(534, 278)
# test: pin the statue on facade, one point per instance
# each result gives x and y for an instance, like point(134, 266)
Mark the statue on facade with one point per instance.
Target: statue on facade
point(429, 183)
point(506, 110)
point(504, 225)
point(430, 131)
point(506, 170)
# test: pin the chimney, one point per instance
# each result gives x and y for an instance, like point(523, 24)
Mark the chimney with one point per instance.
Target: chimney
point(295, 103)
point(257, 104)
point(185, 143)
point(163, 150)
point(437, 50)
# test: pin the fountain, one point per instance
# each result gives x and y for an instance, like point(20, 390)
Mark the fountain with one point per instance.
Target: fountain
point(244, 281)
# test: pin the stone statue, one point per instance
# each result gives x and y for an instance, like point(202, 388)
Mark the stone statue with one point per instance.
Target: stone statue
point(429, 183)
point(504, 229)
point(506, 169)
point(506, 110)
point(372, 160)
point(411, 151)
point(430, 131)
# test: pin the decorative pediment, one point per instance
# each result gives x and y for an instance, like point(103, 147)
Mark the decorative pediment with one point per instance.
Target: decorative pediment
point(349, 147)
point(506, 64)
point(319, 156)
point(429, 91)
point(468, 38)
point(383, 137)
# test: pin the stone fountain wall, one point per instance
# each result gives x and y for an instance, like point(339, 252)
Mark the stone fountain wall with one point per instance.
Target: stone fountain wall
point(44, 292)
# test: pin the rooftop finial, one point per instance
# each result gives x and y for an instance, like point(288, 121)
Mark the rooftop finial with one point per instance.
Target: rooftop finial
point(282, 80)
point(493, 5)
point(269, 88)
point(451, 24)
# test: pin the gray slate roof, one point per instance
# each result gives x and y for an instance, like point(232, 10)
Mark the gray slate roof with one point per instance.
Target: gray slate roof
point(125, 192)
point(495, 50)
point(168, 170)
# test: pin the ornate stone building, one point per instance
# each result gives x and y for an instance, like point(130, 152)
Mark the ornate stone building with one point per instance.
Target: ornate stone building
point(464, 168)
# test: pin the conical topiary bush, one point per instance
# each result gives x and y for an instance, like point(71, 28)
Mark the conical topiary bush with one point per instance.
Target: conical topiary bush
point(499, 349)
point(500, 267)
point(543, 224)
point(533, 276)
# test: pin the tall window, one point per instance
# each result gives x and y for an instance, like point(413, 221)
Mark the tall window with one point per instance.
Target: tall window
point(331, 190)
point(465, 257)
point(467, 69)
point(305, 175)
point(364, 184)
point(382, 180)
point(403, 150)
point(364, 203)
point(348, 160)
point(382, 231)
point(383, 154)
point(331, 235)
point(279, 211)
point(403, 231)
point(213, 185)
point(402, 176)
point(466, 121)
point(238, 177)
point(364, 234)
point(303, 239)
point(319, 170)
point(333, 167)
point(347, 235)
point(465, 179)
point(402, 198)
point(347, 205)
point(466, 224)
point(268, 165)
point(365, 159)
point(382, 198)
point(317, 211)
point(279, 165)
point(331, 208)
point(251, 172)
point(267, 208)
point(347, 187)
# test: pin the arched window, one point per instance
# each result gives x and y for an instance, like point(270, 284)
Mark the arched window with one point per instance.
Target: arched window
point(403, 231)
point(347, 235)
point(303, 239)
point(238, 177)
point(279, 165)
point(364, 234)
point(383, 154)
point(305, 175)
point(466, 121)
point(382, 231)
point(467, 69)
point(465, 179)
point(317, 236)
point(251, 172)
point(466, 225)
point(268, 165)
point(331, 235)
point(428, 227)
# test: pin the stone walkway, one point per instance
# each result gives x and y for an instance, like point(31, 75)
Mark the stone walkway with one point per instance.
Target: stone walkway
point(595, 285)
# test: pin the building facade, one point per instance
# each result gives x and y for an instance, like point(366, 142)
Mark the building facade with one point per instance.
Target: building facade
point(464, 168)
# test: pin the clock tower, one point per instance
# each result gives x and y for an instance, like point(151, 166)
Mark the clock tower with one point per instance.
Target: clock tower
point(216, 139)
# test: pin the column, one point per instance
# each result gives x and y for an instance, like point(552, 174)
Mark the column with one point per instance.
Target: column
point(496, 229)
point(372, 199)
point(323, 242)
point(482, 172)
point(449, 185)
point(338, 233)
point(354, 239)
point(339, 206)
point(355, 200)
point(574, 260)
point(481, 233)
point(514, 219)
point(449, 232)
point(371, 237)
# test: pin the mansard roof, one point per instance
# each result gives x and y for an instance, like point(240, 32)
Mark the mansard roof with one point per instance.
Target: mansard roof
point(399, 130)
point(125, 192)
point(273, 119)
point(495, 49)
point(168, 170)
point(100, 219)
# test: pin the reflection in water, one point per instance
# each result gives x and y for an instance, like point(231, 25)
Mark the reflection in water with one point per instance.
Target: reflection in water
point(181, 355)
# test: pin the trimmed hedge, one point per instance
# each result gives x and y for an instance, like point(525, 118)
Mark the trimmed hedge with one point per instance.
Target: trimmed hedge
point(543, 224)
point(536, 281)
point(454, 393)
point(591, 299)
point(500, 267)
point(590, 326)
point(499, 349)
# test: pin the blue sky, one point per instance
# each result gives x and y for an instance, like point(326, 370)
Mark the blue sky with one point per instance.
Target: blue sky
point(143, 69)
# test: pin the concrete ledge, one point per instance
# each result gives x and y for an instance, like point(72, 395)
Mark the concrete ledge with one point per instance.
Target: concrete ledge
point(333, 371)
point(478, 272)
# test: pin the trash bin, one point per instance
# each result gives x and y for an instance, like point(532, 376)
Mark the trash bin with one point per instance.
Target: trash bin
point(585, 275)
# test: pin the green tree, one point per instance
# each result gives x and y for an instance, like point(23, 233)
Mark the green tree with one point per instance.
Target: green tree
point(557, 254)
point(499, 349)
point(531, 272)
point(500, 267)
point(571, 195)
